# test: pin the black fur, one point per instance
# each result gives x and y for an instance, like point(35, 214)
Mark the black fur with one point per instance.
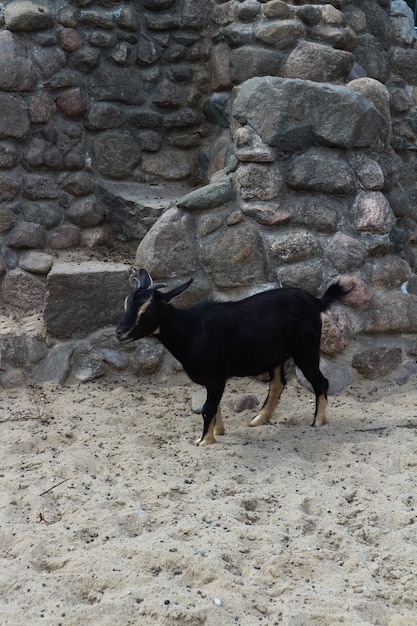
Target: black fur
point(217, 340)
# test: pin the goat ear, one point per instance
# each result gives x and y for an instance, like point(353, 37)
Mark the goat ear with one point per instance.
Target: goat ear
point(167, 297)
point(144, 280)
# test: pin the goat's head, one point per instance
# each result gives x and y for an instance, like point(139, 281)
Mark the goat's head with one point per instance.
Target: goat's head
point(144, 308)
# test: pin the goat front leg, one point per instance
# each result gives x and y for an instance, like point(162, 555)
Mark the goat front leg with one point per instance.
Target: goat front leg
point(213, 421)
point(276, 385)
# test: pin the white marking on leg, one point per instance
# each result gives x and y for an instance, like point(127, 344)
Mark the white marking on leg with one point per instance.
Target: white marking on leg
point(218, 422)
point(208, 438)
point(274, 394)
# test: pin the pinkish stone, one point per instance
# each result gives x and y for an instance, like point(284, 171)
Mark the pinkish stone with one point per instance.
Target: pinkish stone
point(360, 293)
point(70, 39)
point(372, 213)
point(65, 236)
point(71, 103)
point(94, 237)
point(336, 333)
point(40, 108)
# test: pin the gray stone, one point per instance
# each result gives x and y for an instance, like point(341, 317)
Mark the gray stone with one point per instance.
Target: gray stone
point(117, 153)
point(56, 366)
point(26, 235)
point(83, 297)
point(268, 104)
point(9, 188)
point(49, 61)
point(249, 61)
point(197, 400)
point(207, 197)
point(215, 109)
point(294, 246)
point(147, 358)
point(36, 348)
point(372, 56)
point(133, 208)
point(390, 312)
point(39, 187)
point(168, 248)
point(368, 171)
point(23, 291)
point(321, 170)
point(195, 13)
point(268, 213)
point(8, 155)
point(172, 164)
point(404, 64)
point(258, 181)
point(377, 362)
point(345, 253)
point(251, 148)
point(280, 33)
point(13, 54)
point(6, 220)
point(235, 257)
point(36, 262)
point(42, 213)
point(242, 402)
point(27, 17)
point(104, 115)
point(115, 359)
point(158, 5)
point(114, 83)
point(13, 378)
point(376, 93)
point(14, 349)
point(339, 376)
point(305, 274)
point(127, 18)
point(372, 213)
point(14, 120)
point(319, 212)
point(85, 212)
point(78, 184)
point(220, 68)
point(387, 272)
point(238, 34)
point(64, 237)
point(86, 363)
point(59, 145)
point(314, 61)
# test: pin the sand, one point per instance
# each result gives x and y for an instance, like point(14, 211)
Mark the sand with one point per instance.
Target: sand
point(110, 515)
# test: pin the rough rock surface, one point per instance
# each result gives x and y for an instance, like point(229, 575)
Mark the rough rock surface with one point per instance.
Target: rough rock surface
point(244, 143)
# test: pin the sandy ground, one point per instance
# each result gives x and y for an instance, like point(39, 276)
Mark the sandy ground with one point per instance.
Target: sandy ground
point(110, 515)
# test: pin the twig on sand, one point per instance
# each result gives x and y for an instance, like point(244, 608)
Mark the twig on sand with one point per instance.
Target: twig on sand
point(53, 487)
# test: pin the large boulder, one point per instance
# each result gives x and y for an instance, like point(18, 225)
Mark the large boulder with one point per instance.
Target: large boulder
point(83, 297)
point(295, 114)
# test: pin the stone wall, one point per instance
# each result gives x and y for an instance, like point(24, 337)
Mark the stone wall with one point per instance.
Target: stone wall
point(247, 143)
point(320, 180)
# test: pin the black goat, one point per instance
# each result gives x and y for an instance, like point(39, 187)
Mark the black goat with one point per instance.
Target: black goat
point(217, 340)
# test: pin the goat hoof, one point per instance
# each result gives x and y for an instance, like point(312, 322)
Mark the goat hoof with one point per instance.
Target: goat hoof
point(205, 442)
point(258, 421)
point(321, 422)
point(219, 431)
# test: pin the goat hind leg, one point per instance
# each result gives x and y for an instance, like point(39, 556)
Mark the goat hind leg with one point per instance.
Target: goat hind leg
point(276, 385)
point(320, 417)
point(218, 422)
point(320, 386)
point(211, 413)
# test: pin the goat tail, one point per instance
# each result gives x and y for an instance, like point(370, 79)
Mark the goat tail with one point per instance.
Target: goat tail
point(335, 293)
